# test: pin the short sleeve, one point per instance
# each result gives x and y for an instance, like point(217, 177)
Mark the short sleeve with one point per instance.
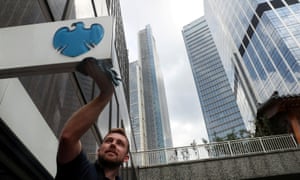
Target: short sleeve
point(79, 168)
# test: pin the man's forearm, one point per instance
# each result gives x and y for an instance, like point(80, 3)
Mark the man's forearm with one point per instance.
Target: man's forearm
point(85, 117)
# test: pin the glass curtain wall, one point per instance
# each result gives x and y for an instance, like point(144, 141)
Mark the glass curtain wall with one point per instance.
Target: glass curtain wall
point(261, 42)
point(221, 113)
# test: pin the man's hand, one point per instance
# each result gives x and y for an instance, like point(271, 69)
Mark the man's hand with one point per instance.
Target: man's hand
point(90, 67)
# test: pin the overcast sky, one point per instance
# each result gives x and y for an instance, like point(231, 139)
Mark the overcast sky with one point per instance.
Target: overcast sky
point(167, 18)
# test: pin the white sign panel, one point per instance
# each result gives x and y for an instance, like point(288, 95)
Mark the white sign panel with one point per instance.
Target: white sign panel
point(53, 47)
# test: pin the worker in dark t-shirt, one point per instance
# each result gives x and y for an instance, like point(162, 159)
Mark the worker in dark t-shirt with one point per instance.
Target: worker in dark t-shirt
point(72, 162)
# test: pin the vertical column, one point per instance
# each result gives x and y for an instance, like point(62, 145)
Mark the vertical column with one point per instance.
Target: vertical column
point(294, 120)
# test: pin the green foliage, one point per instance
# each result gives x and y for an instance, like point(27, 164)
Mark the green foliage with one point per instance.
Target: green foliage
point(263, 127)
point(243, 133)
point(204, 141)
point(231, 136)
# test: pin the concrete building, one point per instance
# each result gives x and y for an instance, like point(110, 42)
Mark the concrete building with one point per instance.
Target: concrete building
point(220, 111)
point(34, 108)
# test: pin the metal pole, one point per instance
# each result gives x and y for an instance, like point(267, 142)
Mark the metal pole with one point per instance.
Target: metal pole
point(230, 148)
point(262, 145)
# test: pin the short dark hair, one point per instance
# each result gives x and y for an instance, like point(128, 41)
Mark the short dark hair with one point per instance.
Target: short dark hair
point(119, 131)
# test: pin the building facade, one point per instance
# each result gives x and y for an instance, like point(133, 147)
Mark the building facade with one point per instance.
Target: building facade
point(34, 108)
point(259, 41)
point(158, 128)
point(220, 111)
point(137, 109)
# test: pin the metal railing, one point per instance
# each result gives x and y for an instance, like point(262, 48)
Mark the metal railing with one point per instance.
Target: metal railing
point(215, 150)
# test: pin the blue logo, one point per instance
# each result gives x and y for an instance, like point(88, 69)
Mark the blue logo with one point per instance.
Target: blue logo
point(74, 42)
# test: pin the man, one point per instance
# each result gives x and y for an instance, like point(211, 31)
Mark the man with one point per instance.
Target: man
point(72, 162)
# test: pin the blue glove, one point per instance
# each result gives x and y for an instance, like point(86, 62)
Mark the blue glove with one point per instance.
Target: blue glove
point(104, 67)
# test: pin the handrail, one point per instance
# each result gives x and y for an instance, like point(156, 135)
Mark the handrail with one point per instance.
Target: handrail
point(240, 147)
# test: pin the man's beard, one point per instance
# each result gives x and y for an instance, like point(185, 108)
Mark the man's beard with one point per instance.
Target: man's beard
point(109, 164)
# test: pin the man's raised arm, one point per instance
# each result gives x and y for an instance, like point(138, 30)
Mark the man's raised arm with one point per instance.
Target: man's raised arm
point(86, 116)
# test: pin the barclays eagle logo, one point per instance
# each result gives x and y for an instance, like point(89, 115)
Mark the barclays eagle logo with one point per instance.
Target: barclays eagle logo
point(74, 42)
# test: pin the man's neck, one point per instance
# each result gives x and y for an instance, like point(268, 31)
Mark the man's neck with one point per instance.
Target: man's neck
point(111, 173)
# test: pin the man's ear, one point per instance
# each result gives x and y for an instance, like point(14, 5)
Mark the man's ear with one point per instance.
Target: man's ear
point(126, 158)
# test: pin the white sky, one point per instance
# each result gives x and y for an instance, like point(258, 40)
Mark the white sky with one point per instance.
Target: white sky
point(167, 18)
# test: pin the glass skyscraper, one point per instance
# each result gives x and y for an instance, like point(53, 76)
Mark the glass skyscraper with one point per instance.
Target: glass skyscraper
point(156, 110)
point(221, 113)
point(259, 40)
point(137, 110)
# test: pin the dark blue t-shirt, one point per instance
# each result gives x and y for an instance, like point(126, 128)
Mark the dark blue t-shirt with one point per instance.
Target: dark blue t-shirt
point(80, 169)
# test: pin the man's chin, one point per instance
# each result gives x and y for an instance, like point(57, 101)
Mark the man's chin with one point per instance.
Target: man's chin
point(109, 162)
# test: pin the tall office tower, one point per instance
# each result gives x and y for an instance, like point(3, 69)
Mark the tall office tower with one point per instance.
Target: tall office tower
point(137, 110)
point(219, 107)
point(260, 40)
point(156, 111)
point(33, 109)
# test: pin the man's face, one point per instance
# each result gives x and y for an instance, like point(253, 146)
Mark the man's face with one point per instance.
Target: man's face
point(113, 150)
